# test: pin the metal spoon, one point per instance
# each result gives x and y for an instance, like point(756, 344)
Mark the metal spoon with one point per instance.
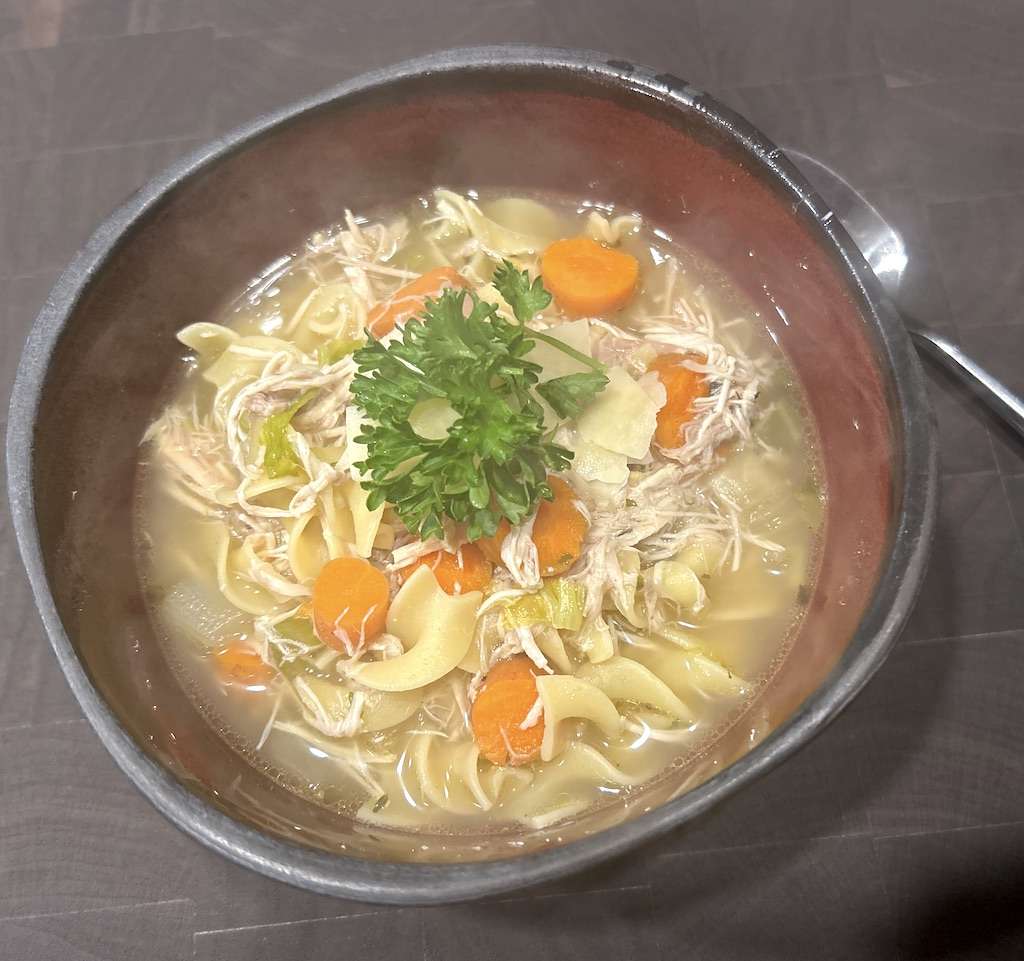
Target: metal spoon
point(884, 250)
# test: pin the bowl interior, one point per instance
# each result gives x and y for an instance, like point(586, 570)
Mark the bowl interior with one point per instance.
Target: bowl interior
point(506, 127)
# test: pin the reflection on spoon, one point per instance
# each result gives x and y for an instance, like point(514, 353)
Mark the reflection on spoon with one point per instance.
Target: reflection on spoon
point(886, 254)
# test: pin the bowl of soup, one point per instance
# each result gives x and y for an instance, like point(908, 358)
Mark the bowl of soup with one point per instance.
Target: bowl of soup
point(468, 474)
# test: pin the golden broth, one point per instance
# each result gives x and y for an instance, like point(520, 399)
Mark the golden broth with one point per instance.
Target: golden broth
point(423, 773)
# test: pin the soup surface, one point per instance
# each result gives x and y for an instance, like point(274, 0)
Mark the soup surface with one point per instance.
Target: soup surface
point(479, 512)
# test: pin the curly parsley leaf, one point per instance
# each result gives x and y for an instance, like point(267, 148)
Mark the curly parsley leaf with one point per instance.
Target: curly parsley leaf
point(526, 299)
point(494, 460)
point(568, 395)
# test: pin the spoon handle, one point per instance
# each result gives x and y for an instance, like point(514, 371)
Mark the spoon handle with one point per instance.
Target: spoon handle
point(1002, 401)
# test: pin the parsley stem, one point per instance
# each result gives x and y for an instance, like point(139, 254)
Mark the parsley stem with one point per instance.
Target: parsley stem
point(566, 349)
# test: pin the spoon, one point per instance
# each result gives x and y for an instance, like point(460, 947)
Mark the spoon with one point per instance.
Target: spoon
point(885, 252)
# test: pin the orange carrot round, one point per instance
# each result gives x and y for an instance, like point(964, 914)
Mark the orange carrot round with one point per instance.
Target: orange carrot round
point(559, 529)
point(409, 300)
point(587, 278)
point(506, 698)
point(465, 570)
point(350, 600)
point(516, 668)
point(238, 665)
point(682, 387)
point(490, 547)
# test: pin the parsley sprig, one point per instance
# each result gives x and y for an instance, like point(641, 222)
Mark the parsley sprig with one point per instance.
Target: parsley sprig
point(567, 395)
point(493, 462)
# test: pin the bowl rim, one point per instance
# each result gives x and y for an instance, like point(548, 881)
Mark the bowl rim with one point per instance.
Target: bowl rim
point(346, 876)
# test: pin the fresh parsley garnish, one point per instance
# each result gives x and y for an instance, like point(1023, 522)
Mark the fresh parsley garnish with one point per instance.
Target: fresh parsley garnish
point(566, 395)
point(526, 299)
point(569, 394)
point(494, 460)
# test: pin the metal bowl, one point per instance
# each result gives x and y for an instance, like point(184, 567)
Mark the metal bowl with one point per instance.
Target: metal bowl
point(507, 117)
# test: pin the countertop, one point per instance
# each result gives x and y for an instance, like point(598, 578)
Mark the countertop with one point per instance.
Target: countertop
point(899, 832)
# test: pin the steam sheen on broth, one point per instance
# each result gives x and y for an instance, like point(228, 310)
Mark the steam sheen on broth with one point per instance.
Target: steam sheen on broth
point(417, 671)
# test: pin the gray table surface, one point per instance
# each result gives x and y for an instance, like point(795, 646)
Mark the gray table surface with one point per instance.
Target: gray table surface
point(897, 834)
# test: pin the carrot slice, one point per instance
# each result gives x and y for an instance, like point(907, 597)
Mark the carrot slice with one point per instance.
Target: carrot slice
point(465, 570)
point(237, 665)
point(350, 602)
point(490, 547)
point(506, 698)
point(410, 299)
point(559, 530)
point(516, 668)
point(682, 387)
point(587, 278)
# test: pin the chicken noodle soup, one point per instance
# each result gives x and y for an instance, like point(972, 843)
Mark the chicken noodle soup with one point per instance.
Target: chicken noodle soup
point(487, 511)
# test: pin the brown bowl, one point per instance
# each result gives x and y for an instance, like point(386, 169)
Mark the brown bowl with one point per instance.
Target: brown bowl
point(522, 118)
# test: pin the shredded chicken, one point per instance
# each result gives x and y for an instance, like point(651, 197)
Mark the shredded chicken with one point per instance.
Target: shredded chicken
point(260, 547)
point(195, 456)
point(317, 714)
point(519, 554)
point(415, 548)
point(531, 650)
point(727, 411)
point(533, 716)
point(287, 648)
point(519, 640)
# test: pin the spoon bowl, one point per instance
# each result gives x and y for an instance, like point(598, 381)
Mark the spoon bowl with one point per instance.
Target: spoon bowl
point(885, 252)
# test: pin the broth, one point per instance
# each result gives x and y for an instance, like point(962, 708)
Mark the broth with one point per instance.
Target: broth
point(687, 586)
